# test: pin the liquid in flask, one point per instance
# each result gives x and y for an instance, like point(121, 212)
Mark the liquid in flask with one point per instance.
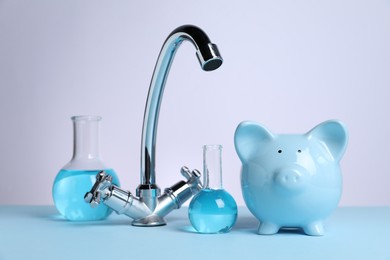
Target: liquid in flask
point(213, 209)
point(79, 175)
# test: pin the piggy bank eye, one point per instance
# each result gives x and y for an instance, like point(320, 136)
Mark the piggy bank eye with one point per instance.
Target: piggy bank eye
point(299, 151)
point(279, 151)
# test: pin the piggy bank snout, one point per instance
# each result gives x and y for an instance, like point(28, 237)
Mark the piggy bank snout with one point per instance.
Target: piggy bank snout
point(293, 178)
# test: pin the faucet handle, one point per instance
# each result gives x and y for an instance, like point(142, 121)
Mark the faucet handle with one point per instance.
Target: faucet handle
point(193, 177)
point(94, 196)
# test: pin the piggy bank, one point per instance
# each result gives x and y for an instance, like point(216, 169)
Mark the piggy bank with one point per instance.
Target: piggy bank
point(291, 180)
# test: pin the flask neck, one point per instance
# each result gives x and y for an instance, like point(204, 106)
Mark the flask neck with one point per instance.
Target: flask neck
point(86, 138)
point(212, 167)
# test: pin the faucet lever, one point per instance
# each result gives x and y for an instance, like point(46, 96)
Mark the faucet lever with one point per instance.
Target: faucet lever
point(193, 177)
point(94, 196)
point(177, 194)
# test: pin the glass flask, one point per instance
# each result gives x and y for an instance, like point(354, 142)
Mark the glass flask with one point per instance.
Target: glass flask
point(213, 209)
point(78, 176)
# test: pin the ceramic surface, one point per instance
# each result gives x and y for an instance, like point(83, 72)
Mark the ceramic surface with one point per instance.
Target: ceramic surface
point(291, 180)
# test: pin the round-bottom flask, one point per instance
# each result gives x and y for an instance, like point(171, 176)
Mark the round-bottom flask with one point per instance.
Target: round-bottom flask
point(79, 175)
point(213, 209)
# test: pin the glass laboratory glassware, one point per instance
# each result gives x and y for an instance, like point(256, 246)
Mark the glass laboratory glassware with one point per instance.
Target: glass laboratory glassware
point(79, 175)
point(213, 209)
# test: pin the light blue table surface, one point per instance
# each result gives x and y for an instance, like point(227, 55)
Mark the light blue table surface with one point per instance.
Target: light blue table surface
point(38, 232)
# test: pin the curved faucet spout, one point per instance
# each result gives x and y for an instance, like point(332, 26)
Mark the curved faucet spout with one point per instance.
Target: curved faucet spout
point(209, 58)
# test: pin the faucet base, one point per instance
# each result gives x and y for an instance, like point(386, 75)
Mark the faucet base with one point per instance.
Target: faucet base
point(149, 221)
point(150, 208)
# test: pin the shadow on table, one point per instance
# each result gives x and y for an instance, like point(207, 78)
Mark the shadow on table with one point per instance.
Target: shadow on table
point(248, 225)
point(242, 225)
point(51, 214)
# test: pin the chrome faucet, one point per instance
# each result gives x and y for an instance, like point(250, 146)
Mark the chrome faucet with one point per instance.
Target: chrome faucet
point(149, 207)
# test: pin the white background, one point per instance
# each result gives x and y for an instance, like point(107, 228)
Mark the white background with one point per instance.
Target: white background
point(288, 65)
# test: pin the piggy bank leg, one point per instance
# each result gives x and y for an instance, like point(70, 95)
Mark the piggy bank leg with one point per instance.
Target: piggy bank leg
point(267, 228)
point(314, 229)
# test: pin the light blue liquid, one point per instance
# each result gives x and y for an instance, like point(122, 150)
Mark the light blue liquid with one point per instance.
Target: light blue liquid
point(69, 189)
point(212, 211)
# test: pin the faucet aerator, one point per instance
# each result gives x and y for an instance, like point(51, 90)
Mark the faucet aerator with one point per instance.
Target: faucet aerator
point(209, 58)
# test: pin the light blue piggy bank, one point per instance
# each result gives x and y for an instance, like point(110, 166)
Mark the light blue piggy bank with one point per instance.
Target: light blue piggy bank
point(291, 181)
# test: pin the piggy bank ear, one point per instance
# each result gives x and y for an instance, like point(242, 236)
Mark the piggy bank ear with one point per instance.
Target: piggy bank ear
point(333, 135)
point(248, 139)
